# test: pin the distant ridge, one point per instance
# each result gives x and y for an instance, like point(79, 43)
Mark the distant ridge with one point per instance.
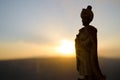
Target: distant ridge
point(57, 68)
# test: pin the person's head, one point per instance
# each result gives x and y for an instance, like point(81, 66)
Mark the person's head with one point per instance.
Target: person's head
point(87, 15)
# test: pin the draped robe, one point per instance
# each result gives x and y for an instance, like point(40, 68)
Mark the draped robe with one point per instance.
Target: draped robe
point(86, 53)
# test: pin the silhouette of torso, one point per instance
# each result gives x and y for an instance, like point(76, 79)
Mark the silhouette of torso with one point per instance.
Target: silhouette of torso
point(86, 52)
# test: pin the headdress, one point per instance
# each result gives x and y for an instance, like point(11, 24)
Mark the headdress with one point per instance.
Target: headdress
point(87, 13)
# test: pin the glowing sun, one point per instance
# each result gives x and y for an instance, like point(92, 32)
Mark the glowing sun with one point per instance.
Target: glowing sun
point(66, 48)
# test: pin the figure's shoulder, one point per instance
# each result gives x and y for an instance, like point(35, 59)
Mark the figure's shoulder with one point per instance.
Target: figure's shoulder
point(82, 30)
point(92, 28)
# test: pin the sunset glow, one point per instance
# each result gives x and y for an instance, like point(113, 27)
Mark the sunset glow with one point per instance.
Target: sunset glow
point(66, 48)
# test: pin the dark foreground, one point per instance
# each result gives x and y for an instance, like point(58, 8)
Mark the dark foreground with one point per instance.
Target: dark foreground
point(52, 69)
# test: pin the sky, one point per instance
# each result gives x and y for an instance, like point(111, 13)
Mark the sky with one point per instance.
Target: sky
point(36, 28)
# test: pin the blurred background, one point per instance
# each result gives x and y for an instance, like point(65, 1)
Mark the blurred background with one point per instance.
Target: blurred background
point(34, 31)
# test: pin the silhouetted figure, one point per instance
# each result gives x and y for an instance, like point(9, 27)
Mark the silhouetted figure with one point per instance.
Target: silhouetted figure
point(86, 49)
